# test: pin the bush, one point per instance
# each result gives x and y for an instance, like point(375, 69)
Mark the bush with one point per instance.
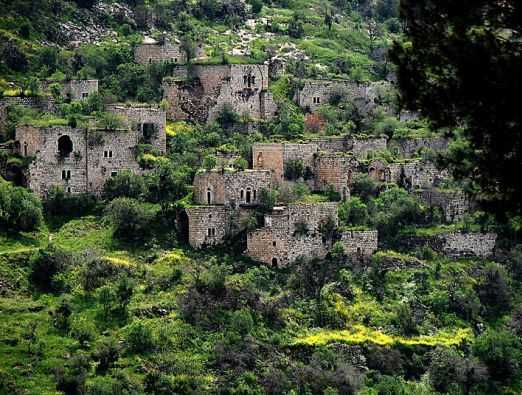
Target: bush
point(364, 187)
point(494, 291)
point(353, 212)
point(447, 369)
point(131, 219)
point(227, 117)
point(106, 353)
point(139, 338)
point(60, 204)
point(125, 184)
point(501, 351)
point(20, 210)
point(45, 268)
point(294, 169)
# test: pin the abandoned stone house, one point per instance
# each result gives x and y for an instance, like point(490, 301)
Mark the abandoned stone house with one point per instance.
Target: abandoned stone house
point(230, 188)
point(294, 231)
point(364, 96)
point(148, 121)
point(80, 160)
point(412, 174)
point(200, 92)
point(79, 89)
point(152, 51)
point(454, 204)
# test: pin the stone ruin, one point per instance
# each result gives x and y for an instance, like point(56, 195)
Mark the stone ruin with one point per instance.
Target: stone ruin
point(80, 160)
point(152, 51)
point(365, 96)
point(200, 92)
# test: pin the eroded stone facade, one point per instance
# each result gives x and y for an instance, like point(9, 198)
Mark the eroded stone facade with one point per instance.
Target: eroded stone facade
point(73, 159)
point(291, 232)
point(151, 51)
point(454, 204)
point(79, 89)
point(201, 92)
point(360, 245)
point(232, 188)
point(147, 121)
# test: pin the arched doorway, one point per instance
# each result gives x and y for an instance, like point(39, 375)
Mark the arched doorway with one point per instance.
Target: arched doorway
point(65, 146)
point(274, 262)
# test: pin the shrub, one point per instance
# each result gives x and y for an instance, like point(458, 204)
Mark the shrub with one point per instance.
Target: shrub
point(227, 117)
point(447, 369)
point(131, 219)
point(106, 353)
point(125, 184)
point(494, 291)
point(501, 351)
point(71, 378)
point(60, 204)
point(294, 169)
point(139, 338)
point(45, 268)
point(364, 187)
point(353, 212)
point(20, 210)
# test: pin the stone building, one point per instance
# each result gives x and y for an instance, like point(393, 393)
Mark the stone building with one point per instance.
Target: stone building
point(454, 244)
point(147, 121)
point(291, 232)
point(365, 96)
point(38, 103)
point(413, 174)
point(201, 92)
point(334, 170)
point(454, 204)
point(80, 160)
point(413, 147)
point(231, 188)
point(79, 89)
point(360, 244)
point(152, 51)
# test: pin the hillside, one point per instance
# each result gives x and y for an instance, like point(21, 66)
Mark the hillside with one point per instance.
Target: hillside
point(231, 197)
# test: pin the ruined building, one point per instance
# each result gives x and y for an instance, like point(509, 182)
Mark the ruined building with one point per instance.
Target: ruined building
point(80, 160)
point(365, 96)
point(199, 93)
point(152, 51)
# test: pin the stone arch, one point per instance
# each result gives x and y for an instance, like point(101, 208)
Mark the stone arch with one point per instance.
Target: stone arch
point(260, 160)
point(248, 198)
point(209, 196)
point(65, 146)
point(274, 262)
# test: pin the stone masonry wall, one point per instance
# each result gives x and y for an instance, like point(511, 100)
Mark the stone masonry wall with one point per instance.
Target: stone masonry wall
point(359, 244)
point(154, 52)
point(411, 147)
point(422, 174)
point(277, 243)
point(138, 117)
point(454, 204)
point(335, 170)
point(101, 166)
point(269, 157)
point(361, 147)
point(79, 89)
point(208, 225)
point(47, 169)
point(230, 188)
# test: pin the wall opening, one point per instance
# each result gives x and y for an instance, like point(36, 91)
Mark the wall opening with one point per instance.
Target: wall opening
point(149, 130)
point(25, 149)
point(209, 196)
point(274, 262)
point(242, 194)
point(183, 227)
point(65, 146)
point(248, 196)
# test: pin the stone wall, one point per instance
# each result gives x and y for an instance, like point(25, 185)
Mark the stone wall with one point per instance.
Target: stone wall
point(278, 243)
point(454, 204)
point(230, 188)
point(454, 244)
point(365, 96)
point(201, 93)
point(49, 168)
point(361, 147)
point(153, 52)
point(208, 225)
point(269, 157)
point(85, 168)
point(336, 170)
point(140, 119)
point(115, 154)
point(413, 147)
point(359, 245)
point(423, 174)
point(79, 89)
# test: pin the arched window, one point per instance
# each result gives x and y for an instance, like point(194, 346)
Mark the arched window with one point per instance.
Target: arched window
point(65, 146)
point(242, 194)
point(209, 196)
point(248, 195)
point(25, 149)
point(260, 159)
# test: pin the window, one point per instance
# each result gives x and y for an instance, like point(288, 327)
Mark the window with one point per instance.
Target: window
point(255, 193)
point(274, 262)
point(245, 79)
point(316, 100)
point(114, 173)
point(150, 60)
point(85, 95)
point(253, 80)
point(107, 154)
point(149, 130)
point(25, 149)
point(248, 197)
point(210, 216)
point(66, 174)
point(209, 196)
point(242, 194)
point(65, 146)
point(68, 189)
point(211, 232)
point(274, 243)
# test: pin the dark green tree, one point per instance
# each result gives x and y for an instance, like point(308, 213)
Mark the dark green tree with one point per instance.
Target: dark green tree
point(460, 64)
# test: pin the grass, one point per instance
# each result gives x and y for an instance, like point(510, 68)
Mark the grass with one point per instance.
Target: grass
point(439, 229)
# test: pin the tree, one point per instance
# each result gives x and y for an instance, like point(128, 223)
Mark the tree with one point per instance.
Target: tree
point(131, 219)
point(166, 184)
point(447, 369)
point(45, 268)
point(125, 184)
point(20, 210)
point(494, 291)
point(459, 64)
point(353, 212)
point(501, 351)
point(295, 27)
point(294, 169)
